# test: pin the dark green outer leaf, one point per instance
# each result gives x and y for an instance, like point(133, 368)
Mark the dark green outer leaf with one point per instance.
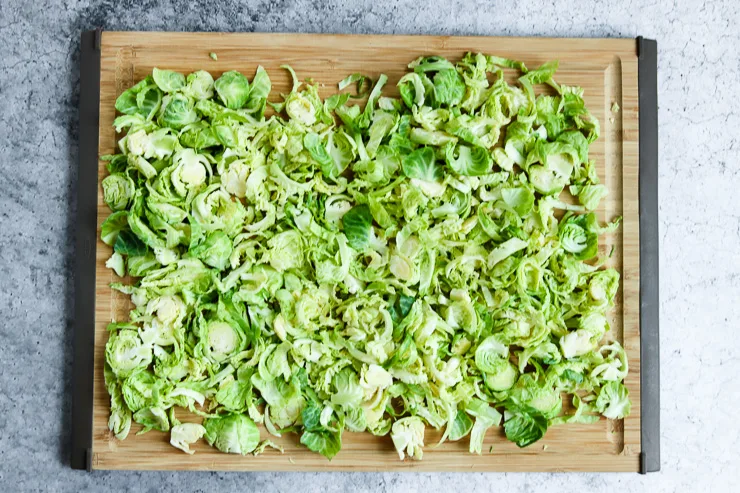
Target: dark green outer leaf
point(128, 243)
point(357, 223)
point(524, 429)
point(326, 443)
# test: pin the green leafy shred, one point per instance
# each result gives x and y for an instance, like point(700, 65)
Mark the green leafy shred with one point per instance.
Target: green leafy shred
point(381, 268)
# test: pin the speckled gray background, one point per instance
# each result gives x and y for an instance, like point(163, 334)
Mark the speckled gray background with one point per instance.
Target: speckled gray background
point(699, 72)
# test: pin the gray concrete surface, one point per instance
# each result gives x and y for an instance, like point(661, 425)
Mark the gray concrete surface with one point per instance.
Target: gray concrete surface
point(699, 65)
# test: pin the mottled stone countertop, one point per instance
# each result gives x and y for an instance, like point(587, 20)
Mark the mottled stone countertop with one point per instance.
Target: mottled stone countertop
point(698, 80)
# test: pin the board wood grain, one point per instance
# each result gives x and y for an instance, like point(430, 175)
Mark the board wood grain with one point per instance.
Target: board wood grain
point(605, 68)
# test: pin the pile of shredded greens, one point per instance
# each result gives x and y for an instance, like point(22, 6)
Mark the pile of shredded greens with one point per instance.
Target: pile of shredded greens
point(384, 267)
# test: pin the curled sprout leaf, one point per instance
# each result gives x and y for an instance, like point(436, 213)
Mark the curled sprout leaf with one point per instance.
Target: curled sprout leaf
point(233, 89)
point(408, 437)
point(232, 433)
point(613, 401)
point(168, 80)
point(185, 434)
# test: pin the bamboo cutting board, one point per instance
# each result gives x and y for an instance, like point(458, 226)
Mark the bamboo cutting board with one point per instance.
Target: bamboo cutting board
point(606, 68)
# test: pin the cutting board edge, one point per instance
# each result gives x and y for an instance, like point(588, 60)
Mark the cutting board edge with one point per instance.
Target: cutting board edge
point(519, 40)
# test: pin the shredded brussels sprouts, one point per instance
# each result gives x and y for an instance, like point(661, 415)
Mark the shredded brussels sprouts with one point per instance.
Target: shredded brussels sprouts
point(381, 268)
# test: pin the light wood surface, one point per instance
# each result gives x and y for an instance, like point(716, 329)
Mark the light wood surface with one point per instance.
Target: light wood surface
point(605, 68)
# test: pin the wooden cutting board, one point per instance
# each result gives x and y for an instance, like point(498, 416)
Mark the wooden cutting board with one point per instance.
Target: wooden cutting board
point(606, 68)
